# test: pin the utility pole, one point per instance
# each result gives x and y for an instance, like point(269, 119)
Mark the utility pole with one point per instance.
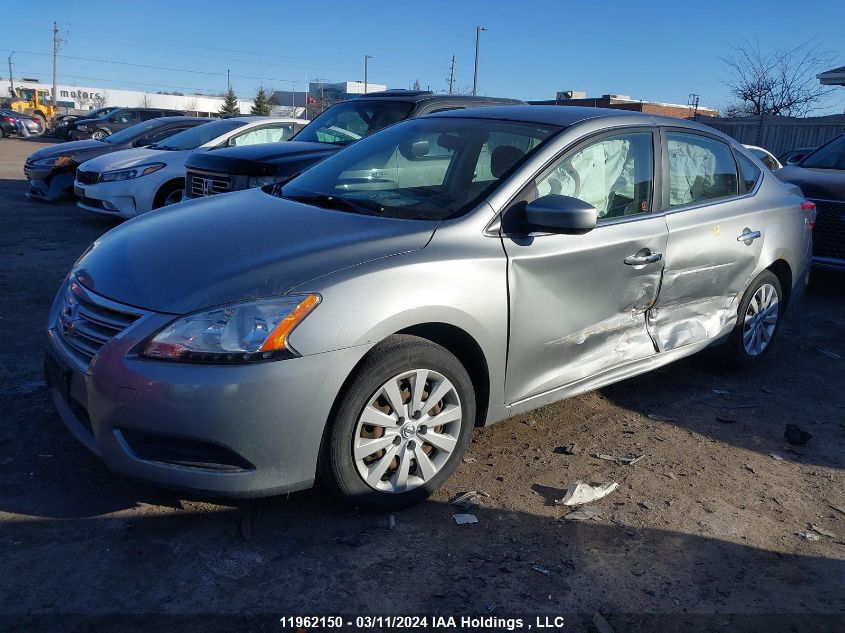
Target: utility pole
point(366, 59)
point(452, 76)
point(55, 62)
point(228, 81)
point(11, 78)
point(478, 30)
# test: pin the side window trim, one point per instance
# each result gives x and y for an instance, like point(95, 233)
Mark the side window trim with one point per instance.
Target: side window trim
point(664, 130)
point(658, 157)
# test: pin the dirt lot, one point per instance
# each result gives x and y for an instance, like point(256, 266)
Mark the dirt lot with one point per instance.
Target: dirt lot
point(702, 534)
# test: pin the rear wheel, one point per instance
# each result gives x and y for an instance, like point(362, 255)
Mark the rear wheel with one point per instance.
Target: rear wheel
point(401, 425)
point(758, 320)
point(99, 135)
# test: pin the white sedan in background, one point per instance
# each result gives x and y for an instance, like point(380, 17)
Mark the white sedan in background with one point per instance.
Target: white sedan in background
point(134, 181)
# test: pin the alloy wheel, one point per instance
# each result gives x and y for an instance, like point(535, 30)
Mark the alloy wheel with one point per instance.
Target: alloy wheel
point(173, 197)
point(407, 431)
point(761, 318)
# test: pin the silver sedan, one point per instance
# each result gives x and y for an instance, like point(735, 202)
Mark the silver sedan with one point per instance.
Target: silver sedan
point(445, 273)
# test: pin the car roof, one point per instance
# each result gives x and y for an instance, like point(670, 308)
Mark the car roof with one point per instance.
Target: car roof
point(258, 117)
point(418, 96)
point(566, 116)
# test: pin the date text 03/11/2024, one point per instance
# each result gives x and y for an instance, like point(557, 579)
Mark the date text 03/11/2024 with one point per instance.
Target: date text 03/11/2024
point(378, 622)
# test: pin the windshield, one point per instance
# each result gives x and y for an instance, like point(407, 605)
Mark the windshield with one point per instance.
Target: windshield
point(132, 132)
point(195, 137)
point(351, 120)
point(429, 168)
point(830, 156)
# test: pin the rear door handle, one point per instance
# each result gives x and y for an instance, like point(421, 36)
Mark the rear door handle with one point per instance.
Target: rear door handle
point(748, 236)
point(642, 260)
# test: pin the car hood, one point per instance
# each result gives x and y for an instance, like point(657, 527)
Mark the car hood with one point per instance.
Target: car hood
point(262, 159)
point(824, 184)
point(71, 149)
point(125, 158)
point(234, 247)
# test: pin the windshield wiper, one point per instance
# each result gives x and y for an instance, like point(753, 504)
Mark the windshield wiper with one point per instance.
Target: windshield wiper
point(334, 202)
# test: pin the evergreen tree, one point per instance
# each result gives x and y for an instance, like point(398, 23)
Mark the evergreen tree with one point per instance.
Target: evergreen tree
point(230, 105)
point(263, 105)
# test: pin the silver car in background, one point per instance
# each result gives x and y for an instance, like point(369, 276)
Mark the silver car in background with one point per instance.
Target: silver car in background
point(445, 273)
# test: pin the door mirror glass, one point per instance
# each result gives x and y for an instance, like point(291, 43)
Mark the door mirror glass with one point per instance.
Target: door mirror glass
point(142, 142)
point(561, 214)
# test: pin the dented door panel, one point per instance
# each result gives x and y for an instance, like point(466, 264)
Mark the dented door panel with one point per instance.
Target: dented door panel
point(706, 271)
point(576, 308)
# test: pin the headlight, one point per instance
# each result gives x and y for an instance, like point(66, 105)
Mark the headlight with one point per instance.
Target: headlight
point(260, 181)
point(238, 333)
point(58, 161)
point(128, 174)
point(83, 128)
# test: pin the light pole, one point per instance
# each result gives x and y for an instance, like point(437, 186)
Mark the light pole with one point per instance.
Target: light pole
point(478, 30)
point(11, 79)
point(366, 59)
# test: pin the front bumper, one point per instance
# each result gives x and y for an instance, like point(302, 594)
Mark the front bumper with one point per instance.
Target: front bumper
point(124, 199)
point(268, 418)
point(49, 184)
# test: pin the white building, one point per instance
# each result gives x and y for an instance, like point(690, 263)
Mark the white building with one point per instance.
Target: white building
point(90, 98)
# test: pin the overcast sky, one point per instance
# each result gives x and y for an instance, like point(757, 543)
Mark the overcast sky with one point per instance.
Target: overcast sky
point(655, 51)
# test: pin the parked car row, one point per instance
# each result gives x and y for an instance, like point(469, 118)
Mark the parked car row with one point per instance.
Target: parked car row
point(386, 281)
point(16, 124)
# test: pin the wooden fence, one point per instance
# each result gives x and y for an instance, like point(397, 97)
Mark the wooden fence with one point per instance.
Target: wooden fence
point(779, 134)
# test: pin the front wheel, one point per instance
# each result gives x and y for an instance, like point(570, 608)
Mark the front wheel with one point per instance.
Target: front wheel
point(758, 320)
point(401, 425)
point(170, 193)
point(99, 135)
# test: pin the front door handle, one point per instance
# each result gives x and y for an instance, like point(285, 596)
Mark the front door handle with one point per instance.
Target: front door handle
point(748, 236)
point(642, 260)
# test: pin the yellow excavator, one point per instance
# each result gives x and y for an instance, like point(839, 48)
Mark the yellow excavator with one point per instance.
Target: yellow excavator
point(35, 103)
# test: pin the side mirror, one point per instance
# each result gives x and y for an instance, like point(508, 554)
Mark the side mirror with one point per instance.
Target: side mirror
point(415, 150)
point(142, 142)
point(561, 214)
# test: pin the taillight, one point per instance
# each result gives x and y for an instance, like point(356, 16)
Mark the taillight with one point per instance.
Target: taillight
point(809, 208)
point(8, 119)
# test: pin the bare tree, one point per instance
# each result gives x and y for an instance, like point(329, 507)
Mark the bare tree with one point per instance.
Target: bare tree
point(100, 99)
point(778, 83)
point(146, 101)
point(192, 104)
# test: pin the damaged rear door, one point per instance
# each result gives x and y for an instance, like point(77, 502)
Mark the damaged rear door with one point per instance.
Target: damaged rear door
point(578, 303)
point(716, 230)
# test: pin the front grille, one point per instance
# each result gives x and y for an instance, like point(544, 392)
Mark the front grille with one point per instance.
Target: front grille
point(829, 234)
point(202, 183)
point(87, 177)
point(178, 451)
point(86, 323)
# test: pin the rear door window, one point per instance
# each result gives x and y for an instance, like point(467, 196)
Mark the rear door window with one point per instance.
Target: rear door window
point(701, 169)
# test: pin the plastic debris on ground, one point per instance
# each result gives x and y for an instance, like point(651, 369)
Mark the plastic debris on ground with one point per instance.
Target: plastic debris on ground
point(628, 460)
point(822, 531)
point(542, 570)
point(465, 519)
point(568, 449)
point(468, 500)
point(580, 493)
point(809, 536)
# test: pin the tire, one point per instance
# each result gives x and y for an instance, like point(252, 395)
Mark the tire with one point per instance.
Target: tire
point(168, 195)
point(398, 361)
point(99, 135)
point(753, 335)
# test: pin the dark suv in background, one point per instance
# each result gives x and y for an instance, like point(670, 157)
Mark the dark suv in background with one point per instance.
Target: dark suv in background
point(340, 125)
point(821, 176)
point(120, 119)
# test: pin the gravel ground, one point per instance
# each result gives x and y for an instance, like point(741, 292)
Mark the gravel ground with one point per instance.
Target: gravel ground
point(703, 533)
